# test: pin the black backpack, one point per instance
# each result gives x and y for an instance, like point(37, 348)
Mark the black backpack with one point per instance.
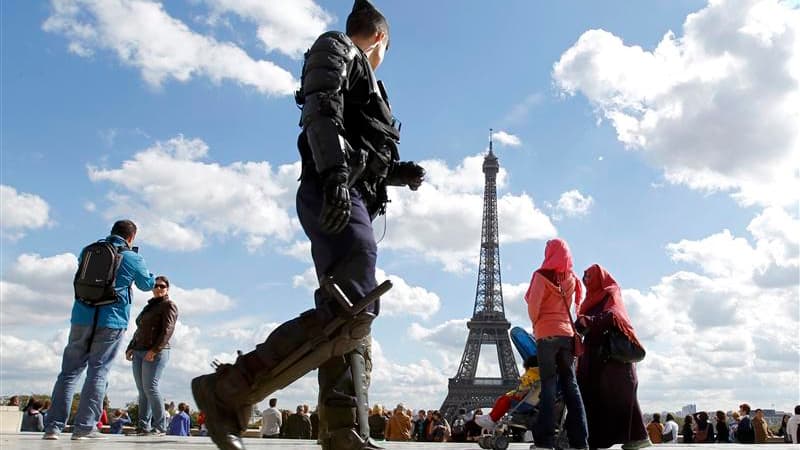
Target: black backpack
point(97, 273)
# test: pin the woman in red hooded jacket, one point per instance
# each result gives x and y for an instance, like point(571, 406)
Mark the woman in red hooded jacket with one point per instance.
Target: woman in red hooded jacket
point(550, 298)
point(608, 387)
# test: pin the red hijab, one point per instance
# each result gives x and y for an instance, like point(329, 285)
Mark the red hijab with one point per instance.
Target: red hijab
point(558, 258)
point(601, 285)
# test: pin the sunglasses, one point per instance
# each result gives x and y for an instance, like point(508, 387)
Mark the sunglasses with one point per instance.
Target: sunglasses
point(161, 286)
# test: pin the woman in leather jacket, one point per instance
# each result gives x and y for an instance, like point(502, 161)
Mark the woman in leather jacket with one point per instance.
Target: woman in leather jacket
point(149, 351)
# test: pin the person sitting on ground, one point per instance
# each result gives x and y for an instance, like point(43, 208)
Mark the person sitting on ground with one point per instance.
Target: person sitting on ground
point(703, 430)
point(670, 435)
point(32, 420)
point(529, 380)
point(377, 422)
point(119, 419)
point(398, 427)
point(180, 423)
point(655, 429)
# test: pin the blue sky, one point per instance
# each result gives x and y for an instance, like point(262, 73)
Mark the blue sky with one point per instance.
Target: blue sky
point(658, 138)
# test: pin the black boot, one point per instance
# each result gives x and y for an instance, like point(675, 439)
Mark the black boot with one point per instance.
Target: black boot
point(215, 394)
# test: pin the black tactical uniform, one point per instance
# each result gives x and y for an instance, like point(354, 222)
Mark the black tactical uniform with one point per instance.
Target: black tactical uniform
point(349, 151)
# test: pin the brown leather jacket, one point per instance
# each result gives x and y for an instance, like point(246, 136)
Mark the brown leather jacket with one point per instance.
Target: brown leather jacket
point(155, 325)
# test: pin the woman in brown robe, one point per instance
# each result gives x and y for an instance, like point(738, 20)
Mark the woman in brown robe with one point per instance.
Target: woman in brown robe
point(608, 388)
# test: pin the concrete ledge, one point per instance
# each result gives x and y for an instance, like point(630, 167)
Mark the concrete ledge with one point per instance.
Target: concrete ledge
point(10, 419)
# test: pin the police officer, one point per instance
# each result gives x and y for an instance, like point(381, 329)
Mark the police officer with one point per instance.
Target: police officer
point(349, 152)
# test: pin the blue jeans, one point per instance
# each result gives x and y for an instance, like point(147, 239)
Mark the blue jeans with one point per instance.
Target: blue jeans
point(556, 367)
point(151, 404)
point(93, 352)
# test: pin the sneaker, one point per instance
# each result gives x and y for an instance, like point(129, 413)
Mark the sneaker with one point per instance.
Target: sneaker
point(485, 421)
point(91, 435)
point(635, 445)
point(534, 447)
point(156, 433)
point(50, 436)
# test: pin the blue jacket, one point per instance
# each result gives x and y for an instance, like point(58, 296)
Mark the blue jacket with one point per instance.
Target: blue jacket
point(116, 315)
point(180, 425)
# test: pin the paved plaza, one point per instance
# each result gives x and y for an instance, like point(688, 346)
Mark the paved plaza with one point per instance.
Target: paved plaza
point(33, 441)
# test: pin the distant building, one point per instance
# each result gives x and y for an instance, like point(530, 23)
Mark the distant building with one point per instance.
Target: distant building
point(688, 410)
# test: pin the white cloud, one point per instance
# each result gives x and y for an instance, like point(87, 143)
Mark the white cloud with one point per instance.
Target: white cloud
point(288, 27)
point(38, 287)
point(573, 204)
point(717, 108)
point(721, 319)
point(402, 299)
point(143, 35)
point(190, 302)
point(449, 335)
point(505, 138)
point(442, 220)
point(171, 196)
point(21, 212)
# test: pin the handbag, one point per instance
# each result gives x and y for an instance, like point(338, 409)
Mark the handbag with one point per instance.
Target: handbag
point(576, 337)
point(617, 347)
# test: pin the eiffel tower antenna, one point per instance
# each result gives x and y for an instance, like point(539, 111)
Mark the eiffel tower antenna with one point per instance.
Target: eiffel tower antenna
point(488, 325)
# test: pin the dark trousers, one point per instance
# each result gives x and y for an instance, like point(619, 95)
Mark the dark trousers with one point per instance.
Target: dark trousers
point(556, 357)
point(349, 257)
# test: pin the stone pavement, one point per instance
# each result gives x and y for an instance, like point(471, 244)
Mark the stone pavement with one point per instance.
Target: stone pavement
point(33, 441)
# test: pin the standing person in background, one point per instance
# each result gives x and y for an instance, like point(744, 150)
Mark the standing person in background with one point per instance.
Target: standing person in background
point(703, 430)
point(419, 427)
point(271, 420)
point(377, 423)
point(608, 388)
point(782, 430)
point(655, 429)
point(149, 351)
point(761, 428)
point(550, 297)
point(298, 425)
point(181, 423)
point(733, 425)
point(96, 332)
point(688, 430)
point(745, 433)
point(793, 426)
point(398, 428)
point(723, 434)
point(670, 435)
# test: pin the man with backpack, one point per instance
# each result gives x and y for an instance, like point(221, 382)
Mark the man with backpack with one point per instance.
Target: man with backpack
point(106, 271)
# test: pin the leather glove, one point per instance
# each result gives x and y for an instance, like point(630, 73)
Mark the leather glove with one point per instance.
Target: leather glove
point(407, 173)
point(335, 202)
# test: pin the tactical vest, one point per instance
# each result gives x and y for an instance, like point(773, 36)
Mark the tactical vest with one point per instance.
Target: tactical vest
point(372, 133)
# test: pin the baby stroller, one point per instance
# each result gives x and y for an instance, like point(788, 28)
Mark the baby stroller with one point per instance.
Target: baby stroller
point(522, 416)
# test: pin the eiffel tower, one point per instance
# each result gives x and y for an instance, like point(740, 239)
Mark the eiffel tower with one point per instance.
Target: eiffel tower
point(488, 325)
